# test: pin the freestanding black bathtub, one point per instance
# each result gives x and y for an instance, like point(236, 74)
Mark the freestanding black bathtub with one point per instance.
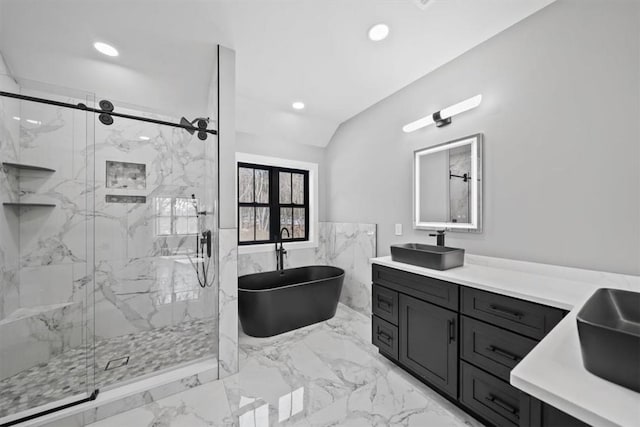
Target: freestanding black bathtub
point(274, 302)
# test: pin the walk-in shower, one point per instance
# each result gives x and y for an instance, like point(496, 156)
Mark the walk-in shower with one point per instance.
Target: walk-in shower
point(108, 246)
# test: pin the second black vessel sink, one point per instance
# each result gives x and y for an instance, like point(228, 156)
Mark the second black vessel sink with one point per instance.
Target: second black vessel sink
point(428, 256)
point(609, 331)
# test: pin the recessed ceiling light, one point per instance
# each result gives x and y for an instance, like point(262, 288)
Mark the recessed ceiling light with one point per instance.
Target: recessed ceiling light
point(16, 118)
point(144, 138)
point(378, 32)
point(106, 49)
point(298, 105)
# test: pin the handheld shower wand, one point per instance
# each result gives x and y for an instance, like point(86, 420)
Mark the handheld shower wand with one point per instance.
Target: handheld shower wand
point(203, 242)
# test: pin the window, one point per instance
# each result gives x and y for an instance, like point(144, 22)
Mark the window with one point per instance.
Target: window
point(270, 199)
point(176, 215)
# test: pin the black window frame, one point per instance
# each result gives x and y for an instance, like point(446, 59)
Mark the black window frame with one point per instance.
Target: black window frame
point(274, 204)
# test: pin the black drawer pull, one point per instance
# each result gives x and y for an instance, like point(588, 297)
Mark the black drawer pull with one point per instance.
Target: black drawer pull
point(508, 312)
point(382, 300)
point(504, 405)
point(385, 336)
point(503, 353)
point(451, 330)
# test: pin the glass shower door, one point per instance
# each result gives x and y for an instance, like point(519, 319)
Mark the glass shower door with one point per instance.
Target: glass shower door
point(156, 282)
point(46, 252)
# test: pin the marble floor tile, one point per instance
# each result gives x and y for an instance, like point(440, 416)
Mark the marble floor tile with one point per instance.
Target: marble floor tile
point(327, 374)
point(205, 405)
point(66, 374)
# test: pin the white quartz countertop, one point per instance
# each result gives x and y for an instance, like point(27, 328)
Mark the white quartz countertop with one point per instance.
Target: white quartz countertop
point(553, 371)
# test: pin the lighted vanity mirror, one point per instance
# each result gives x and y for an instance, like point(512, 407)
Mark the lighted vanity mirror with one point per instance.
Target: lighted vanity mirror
point(448, 186)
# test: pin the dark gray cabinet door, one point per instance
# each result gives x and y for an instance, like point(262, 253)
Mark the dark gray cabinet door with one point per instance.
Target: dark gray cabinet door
point(428, 342)
point(539, 414)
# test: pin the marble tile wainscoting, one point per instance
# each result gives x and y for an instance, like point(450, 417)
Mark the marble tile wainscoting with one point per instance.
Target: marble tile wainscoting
point(228, 302)
point(349, 246)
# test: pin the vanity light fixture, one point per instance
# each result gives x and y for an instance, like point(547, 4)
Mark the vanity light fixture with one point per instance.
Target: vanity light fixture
point(443, 117)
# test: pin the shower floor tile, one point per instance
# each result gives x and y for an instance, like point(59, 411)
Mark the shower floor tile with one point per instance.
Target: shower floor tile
point(66, 374)
point(327, 374)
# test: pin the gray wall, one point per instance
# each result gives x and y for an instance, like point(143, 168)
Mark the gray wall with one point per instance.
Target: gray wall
point(560, 116)
point(263, 145)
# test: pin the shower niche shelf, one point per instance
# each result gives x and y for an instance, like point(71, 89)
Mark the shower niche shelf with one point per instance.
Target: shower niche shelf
point(24, 166)
point(28, 205)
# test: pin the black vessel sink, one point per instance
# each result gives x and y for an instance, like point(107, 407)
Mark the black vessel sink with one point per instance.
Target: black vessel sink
point(428, 256)
point(609, 331)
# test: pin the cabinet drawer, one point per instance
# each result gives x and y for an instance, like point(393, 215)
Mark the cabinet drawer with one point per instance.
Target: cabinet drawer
point(435, 291)
point(385, 303)
point(493, 349)
point(384, 335)
point(489, 397)
point(524, 317)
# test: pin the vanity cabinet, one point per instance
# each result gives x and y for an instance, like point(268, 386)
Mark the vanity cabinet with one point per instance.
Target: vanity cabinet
point(428, 342)
point(539, 414)
point(463, 342)
point(498, 331)
point(422, 313)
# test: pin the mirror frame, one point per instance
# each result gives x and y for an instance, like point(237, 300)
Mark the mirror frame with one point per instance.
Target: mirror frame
point(476, 142)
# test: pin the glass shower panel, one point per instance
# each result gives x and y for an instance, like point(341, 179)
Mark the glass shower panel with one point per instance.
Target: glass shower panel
point(156, 274)
point(46, 348)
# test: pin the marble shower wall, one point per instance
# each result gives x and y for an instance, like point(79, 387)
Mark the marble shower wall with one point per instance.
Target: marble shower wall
point(145, 280)
point(50, 315)
point(345, 245)
point(9, 238)
point(9, 227)
point(39, 318)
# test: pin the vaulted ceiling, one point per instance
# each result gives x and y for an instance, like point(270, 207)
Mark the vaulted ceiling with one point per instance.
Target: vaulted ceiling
point(316, 51)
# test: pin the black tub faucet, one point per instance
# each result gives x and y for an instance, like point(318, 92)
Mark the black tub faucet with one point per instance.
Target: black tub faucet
point(439, 237)
point(281, 252)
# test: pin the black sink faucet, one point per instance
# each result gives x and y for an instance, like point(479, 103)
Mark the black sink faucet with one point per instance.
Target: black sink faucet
point(281, 252)
point(439, 237)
